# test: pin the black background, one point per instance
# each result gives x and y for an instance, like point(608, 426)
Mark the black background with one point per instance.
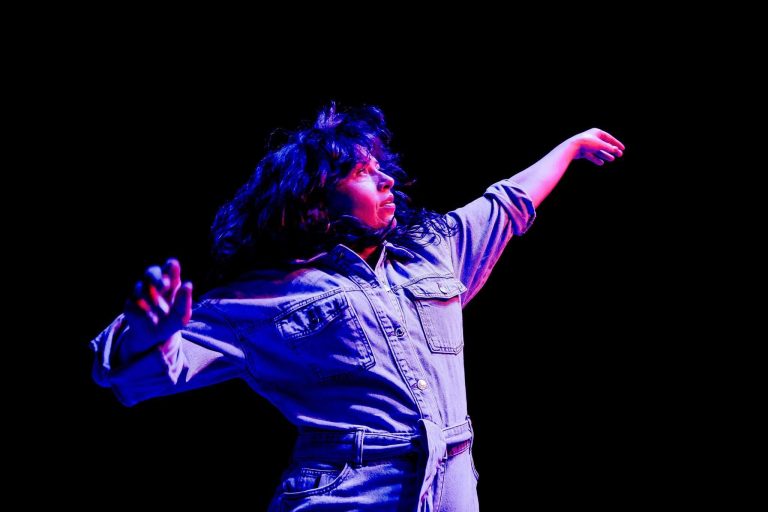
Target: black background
point(565, 372)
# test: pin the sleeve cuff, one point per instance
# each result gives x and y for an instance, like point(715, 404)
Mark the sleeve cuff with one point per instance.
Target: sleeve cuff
point(516, 202)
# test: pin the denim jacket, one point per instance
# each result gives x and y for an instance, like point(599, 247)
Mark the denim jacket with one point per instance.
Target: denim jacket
point(332, 342)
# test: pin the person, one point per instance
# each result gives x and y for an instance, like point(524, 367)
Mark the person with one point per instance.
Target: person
point(340, 302)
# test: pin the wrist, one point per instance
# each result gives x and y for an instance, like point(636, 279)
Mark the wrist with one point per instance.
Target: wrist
point(570, 148)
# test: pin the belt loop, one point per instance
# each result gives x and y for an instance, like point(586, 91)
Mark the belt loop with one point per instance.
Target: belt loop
point(359, 442)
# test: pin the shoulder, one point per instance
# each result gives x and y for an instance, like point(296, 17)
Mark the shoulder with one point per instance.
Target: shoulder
point(427, 257)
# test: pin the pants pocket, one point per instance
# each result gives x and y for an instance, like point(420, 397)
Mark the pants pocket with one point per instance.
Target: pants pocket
point(313, 480)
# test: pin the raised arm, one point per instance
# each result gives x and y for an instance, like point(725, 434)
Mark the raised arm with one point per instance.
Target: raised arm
point(594, 145)
point(507, 209)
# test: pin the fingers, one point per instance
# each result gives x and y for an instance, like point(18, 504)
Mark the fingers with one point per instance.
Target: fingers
point(154, 296)
point(607, 151)
point(172, 269)
point(139, 313)
point(154, 328)
point(182, 306)
point(154, 283)
point(592, 158)
point(147, 299)
point(154, 276)
point(599, 147)
point(607, 137)
point(179, 315)
point(159, 306)
point(599, 157)
point(606, 156)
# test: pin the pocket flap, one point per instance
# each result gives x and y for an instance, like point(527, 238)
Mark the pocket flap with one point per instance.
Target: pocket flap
point(310, 318)
point(436, 288)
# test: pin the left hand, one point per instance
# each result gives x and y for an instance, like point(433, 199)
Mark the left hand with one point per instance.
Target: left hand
point(597, 146)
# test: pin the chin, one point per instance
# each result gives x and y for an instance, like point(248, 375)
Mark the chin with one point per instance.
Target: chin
point(385, 224)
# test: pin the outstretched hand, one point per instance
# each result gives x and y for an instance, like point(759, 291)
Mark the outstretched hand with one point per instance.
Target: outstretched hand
point(160, 306)
point(597, 146)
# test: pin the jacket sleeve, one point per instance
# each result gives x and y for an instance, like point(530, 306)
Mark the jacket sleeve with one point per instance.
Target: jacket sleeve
point(484, 227)
point(205, 352)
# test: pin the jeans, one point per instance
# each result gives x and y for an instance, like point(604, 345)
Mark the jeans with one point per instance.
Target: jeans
point(428, 471)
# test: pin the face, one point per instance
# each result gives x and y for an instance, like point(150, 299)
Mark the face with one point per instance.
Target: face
point(365, 193)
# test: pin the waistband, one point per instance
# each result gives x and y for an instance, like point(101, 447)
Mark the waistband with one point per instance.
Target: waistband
point(360, 446)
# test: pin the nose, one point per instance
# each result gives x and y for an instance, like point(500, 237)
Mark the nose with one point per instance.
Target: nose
point(386, 181)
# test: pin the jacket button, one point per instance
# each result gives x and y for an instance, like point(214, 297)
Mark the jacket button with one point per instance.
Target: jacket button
point(422, 384)
point(442, 288)
point(400, 332)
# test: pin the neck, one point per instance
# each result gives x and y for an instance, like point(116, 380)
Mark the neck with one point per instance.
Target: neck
point(369, 254)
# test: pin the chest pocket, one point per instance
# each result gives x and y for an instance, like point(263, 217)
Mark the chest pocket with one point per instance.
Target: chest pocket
point(326, 336)
point(439, 307)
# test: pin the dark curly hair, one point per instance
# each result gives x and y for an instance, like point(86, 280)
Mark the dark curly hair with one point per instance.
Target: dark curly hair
point(281, 213)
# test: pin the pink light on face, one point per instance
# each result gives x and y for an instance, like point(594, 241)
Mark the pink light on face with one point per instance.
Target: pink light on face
point(365, 193)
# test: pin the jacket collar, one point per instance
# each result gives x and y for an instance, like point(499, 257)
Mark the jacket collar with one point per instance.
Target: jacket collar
point(390, 250)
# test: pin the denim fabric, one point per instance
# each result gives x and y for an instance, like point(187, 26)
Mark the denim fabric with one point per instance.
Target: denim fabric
point(339, 346)
point(360, 470)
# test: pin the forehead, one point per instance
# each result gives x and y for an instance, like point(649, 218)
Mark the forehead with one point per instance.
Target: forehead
point(364, 158)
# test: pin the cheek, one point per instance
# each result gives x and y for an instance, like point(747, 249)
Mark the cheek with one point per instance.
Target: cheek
point(358, 200)
point(339, 203)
